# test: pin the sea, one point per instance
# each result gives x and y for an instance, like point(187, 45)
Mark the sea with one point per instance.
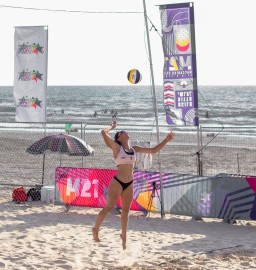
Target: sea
point(135, 105)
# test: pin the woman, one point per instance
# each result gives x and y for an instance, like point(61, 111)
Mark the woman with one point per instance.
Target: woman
point(122, 183)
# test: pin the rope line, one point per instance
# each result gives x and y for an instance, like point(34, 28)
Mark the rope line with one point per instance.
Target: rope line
point(70, 11)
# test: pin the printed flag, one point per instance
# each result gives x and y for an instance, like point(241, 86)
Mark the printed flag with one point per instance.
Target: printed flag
point(30, 73)
point(179, 73)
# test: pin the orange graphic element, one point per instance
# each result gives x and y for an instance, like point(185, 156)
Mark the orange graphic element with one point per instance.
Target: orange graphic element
point(182, 39)
point(143, 200)
point(67, 198)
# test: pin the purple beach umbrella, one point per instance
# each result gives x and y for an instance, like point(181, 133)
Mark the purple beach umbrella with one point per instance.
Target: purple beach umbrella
point(60, 143)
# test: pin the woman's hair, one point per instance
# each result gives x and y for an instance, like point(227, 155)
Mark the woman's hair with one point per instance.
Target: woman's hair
point(116, 137)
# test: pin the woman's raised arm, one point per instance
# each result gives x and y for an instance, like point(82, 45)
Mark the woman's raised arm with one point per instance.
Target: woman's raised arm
point(108, 140)
point(157, 148)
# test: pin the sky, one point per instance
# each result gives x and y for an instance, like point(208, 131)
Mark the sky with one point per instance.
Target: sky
point(100, 48)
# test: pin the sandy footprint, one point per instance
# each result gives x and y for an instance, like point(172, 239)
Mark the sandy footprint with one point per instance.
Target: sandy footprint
point(130, 256)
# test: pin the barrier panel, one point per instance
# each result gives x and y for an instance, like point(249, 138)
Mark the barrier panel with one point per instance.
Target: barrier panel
point(228, 197)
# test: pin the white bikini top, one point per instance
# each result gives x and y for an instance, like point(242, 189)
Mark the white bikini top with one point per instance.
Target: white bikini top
point(125, 157)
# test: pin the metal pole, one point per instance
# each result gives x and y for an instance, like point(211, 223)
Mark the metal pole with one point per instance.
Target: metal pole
point(238, 166)
point(45, 111)
point(201, 145)
point(199, 153)
point(43, 169)
point(155, 107)
point(82, 138)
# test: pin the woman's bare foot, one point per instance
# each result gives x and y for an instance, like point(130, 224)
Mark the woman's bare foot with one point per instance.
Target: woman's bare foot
point(95, 234)
point(123, 242)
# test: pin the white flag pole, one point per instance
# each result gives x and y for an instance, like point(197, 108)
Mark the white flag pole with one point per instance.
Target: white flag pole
point(46, 68)
point(46, 77)
point(155, 108)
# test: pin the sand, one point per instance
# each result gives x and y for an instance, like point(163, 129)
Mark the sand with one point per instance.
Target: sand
point(35, 235)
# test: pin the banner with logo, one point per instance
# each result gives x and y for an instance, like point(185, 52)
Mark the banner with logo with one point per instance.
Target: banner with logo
point(226, 197)
point(30, 73)
point(89, 187)
point(179, 72)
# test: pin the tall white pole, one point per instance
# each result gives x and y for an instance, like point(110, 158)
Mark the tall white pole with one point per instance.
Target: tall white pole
point(155, 108)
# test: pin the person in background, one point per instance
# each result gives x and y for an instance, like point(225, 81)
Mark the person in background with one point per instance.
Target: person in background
point(122, 183)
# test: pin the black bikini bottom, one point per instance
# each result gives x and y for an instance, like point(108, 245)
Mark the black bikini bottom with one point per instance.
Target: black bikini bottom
point(124, 185)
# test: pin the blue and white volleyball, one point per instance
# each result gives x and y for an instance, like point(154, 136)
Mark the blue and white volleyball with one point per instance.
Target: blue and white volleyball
point(134, 76)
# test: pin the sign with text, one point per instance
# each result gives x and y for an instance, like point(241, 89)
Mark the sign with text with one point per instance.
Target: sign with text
point(227, 197)
point(89, 187)
point(85, 187)
point(179, 72)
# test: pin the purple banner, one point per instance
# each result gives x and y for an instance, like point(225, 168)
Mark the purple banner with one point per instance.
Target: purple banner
point(179, 73)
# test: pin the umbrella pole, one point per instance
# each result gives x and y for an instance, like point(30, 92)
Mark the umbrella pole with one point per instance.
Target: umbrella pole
point(43, 169)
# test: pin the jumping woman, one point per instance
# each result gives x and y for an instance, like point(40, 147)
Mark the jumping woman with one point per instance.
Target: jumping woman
point(122, 183)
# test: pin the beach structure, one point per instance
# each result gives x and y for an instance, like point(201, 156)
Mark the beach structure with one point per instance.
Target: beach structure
point(179, 74)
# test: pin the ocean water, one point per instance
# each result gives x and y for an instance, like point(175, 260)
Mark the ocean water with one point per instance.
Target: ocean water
point(230, 106)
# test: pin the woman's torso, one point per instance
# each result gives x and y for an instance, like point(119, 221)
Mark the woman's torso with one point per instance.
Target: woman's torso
point(125, 160)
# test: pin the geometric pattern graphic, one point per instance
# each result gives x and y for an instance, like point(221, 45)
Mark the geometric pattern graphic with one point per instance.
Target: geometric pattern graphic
point(240, 203)
point(237, 203)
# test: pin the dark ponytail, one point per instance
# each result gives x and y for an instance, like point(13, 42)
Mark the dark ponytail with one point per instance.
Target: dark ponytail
point(116, 138)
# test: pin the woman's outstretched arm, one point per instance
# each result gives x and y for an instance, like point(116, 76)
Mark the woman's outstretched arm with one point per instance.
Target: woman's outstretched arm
point(157, 148)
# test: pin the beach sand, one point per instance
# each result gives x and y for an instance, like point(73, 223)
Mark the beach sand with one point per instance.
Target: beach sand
point(35, 235)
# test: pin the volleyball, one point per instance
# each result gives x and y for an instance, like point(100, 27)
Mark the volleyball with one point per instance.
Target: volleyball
point(134, 76)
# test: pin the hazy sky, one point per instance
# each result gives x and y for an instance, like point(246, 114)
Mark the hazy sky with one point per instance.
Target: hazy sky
point(100, 48)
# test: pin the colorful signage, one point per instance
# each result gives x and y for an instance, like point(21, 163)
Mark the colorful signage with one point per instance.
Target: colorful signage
point(179, 73)
point(30, 73)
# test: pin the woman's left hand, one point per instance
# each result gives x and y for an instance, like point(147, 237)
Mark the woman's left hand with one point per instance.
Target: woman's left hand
point(170, 136)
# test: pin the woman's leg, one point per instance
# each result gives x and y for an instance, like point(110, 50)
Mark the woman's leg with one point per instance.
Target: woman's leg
point(114, 190)
point(126, 200)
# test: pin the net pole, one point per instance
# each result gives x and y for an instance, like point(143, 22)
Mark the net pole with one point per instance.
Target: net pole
point(155, 107)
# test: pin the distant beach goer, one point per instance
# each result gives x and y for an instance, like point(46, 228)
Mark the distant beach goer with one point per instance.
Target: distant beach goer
point(114, 114)
point(122, 183)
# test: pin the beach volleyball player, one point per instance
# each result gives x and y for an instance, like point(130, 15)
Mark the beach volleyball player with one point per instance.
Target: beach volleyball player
point(122, 183)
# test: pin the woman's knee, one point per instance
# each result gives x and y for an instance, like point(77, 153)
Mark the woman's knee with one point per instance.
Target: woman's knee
point(125, 211)
point(108, 208)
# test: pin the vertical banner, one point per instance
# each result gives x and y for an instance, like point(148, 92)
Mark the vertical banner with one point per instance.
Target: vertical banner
point(179, 72)
point(30, 73)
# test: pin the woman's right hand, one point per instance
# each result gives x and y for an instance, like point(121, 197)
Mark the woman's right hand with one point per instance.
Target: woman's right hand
point(114, 124)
